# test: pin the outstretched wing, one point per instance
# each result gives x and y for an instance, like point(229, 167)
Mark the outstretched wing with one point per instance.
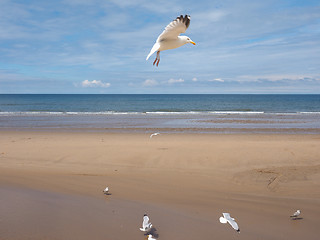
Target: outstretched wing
point(175, 28)
point(234, 224)
point(231, 221)
point(145, 222)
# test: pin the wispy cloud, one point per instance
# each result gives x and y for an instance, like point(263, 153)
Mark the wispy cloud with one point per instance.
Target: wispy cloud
point(172, 81)
point(149, 83)
point(216, 80)
point(94, 83)
point(278, 78)
point(163, 7)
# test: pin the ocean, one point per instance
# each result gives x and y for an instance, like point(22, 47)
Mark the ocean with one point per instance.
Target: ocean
point(203, 113)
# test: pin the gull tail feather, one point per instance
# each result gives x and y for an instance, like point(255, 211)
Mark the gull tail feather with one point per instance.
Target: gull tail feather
point(155, 48)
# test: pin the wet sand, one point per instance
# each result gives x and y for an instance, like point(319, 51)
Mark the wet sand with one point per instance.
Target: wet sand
point(51, 185)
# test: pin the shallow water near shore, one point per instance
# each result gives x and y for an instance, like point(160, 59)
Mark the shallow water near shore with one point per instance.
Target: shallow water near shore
point(166, 113)
point(167, 123)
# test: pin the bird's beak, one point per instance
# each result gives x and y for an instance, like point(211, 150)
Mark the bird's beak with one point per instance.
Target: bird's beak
point(193, 43)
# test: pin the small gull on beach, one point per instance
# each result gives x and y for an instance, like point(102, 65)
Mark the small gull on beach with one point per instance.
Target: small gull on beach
point(228, 219)
point(150, 237)
point(145, 223)
point(296, 214)
point(170, 39)
point(154, 134)
point(106, 191)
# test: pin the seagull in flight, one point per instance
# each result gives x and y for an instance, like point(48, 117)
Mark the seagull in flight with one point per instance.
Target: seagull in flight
point(146, 226)
point(170, 39)
point(154, 134)
point(296, 214)
point(228, 219)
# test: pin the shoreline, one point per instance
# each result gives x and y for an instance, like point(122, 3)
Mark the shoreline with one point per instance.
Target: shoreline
point(184, 182)
point(195, 131)
point(168, 123)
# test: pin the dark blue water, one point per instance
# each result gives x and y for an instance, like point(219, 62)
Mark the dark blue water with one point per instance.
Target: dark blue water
point(165, 113)
point(158, 103)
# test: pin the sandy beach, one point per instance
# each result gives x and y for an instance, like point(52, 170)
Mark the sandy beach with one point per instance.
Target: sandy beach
point(51, 185)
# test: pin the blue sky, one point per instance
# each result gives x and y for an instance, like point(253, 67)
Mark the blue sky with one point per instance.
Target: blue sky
point(91, 46)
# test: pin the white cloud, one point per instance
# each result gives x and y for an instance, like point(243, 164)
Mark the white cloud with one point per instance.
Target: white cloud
point(216, 80)
point(278, 77)
point(149, 83)
point(171, 81)
point(94, 83)
point(194, 79)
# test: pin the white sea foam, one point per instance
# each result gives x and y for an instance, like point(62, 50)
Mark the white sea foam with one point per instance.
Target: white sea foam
point(297, 113)
point(174, 113)
point(235, 112)
point(309, 112)
point(204, 112)
point(43, 113)
point(48, 113)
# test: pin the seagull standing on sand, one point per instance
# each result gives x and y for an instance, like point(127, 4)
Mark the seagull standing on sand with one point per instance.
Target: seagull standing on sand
point(150, 237)
point(170, 39)
point(296, 214)
point(228, 219)
point(145, 223)
point(106, 190)
point(154, 134)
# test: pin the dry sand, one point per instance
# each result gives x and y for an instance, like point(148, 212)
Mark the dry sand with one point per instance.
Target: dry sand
point(51, 185)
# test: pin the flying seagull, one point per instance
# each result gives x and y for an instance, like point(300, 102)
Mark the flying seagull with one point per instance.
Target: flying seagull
point(154, 134)
point(150, 237)
point(170, 39)
point(228, 219)
point(106, 191)
point(145, 223)
point(296, 214)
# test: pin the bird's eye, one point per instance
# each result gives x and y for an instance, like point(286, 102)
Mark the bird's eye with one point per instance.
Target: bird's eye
point(188, 38)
